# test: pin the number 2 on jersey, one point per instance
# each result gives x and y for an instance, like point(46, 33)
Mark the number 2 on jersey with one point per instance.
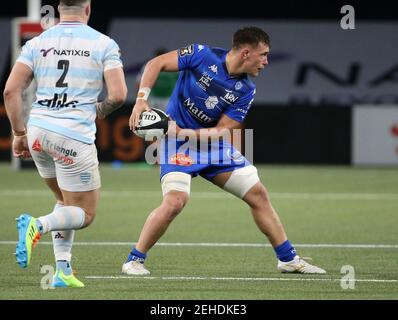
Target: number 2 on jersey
point(62, 65)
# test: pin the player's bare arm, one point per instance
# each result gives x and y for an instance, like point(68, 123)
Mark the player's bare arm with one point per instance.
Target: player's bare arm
point(166, 62)
point(117, 92)
point(19, 80)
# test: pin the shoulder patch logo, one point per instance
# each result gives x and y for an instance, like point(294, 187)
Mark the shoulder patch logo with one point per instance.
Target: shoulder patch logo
point(238, 85)
point(186, 50)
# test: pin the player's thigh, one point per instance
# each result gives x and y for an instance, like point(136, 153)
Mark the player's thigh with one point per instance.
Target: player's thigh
point(87, 200)
point(240, 181)
point(52, 183)
point(221, 178)
point(44, 162)
point(77, 172)
point(176, 181)
point(77, 166)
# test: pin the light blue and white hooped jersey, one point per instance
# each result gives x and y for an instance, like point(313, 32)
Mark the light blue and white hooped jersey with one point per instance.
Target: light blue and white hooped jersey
point(68, 62)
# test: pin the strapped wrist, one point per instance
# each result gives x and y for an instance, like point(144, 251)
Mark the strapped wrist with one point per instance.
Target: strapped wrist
point(143, 93)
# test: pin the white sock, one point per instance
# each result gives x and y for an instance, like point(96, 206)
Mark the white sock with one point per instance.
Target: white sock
point(62, 242)
point(63, 218)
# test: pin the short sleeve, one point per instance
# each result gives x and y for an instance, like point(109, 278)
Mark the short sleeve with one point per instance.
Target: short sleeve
point(112, 57)
point(26, 56)
point(239, 110)
point(191, 56)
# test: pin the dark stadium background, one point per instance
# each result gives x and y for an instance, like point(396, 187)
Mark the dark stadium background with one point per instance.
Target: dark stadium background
point(308, 134)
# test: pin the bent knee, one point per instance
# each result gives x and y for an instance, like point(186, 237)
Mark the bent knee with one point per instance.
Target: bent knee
point(260, 191)
point(257, 196)
point(89, 217)
point(175, 201)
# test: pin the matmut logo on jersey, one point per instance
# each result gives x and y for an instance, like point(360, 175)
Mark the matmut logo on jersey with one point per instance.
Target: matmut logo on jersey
point(72, 52)
point(229, 97)
point(197, 113)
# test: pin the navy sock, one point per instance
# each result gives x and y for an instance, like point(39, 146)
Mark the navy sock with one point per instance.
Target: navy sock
point(285, 251)
point(136, 255)
point(64, 266)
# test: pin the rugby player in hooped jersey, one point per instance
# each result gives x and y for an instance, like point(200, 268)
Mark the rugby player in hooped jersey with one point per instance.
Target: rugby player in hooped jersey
point(213, 92)
point(69, 62)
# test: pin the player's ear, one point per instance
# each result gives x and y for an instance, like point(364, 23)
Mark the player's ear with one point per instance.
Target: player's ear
point(88, 10)
point(244, 53)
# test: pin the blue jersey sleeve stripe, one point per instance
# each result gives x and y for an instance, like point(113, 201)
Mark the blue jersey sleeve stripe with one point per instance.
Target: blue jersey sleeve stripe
point(91, 74)
point(58, 129)
point(73, 91)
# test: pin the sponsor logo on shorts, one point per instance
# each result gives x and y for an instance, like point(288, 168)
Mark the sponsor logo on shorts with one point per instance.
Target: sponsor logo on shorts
point(85, 177)
point(237, 157)
point(65, 151)
point(36, 146)
point(59, 153)
point(181, 159)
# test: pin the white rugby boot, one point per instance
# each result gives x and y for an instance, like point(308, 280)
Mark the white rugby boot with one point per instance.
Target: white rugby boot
point(134, 268)
point(298, 265)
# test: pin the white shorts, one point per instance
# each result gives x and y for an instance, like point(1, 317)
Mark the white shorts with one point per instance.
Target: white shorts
point(72, 162)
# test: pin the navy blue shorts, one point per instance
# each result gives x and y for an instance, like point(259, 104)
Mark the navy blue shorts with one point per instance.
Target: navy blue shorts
point(206, 160)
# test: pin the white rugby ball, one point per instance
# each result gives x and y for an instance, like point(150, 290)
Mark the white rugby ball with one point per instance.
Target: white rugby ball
point(153, 123)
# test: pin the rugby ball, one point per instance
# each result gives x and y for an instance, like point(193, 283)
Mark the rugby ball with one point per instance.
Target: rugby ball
point(153, 123)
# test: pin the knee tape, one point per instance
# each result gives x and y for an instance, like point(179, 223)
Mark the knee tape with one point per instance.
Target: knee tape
point(176, 181)
point(241, 181)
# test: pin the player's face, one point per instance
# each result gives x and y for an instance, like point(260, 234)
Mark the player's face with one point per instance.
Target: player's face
point(256, 59)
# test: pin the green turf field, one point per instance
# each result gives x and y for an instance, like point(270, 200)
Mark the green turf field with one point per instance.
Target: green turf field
point(213, 249)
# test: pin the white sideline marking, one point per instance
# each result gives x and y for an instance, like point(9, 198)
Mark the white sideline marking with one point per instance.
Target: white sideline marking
point(220, 195)
point(215, 244)
point(236, 279)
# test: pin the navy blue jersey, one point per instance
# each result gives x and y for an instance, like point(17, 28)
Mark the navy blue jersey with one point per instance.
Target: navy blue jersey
point(204, 90)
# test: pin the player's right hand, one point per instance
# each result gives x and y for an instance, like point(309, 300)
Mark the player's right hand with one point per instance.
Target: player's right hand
point(139, 107)
point(20, 147)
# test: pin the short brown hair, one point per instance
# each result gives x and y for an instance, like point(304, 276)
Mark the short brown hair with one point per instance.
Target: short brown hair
point(72, 3)
point(250, 35)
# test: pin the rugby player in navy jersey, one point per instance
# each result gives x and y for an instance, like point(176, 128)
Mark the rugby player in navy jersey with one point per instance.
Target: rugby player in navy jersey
point(212, 95)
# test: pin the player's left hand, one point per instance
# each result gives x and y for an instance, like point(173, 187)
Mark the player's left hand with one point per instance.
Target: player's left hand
point(20, 147)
